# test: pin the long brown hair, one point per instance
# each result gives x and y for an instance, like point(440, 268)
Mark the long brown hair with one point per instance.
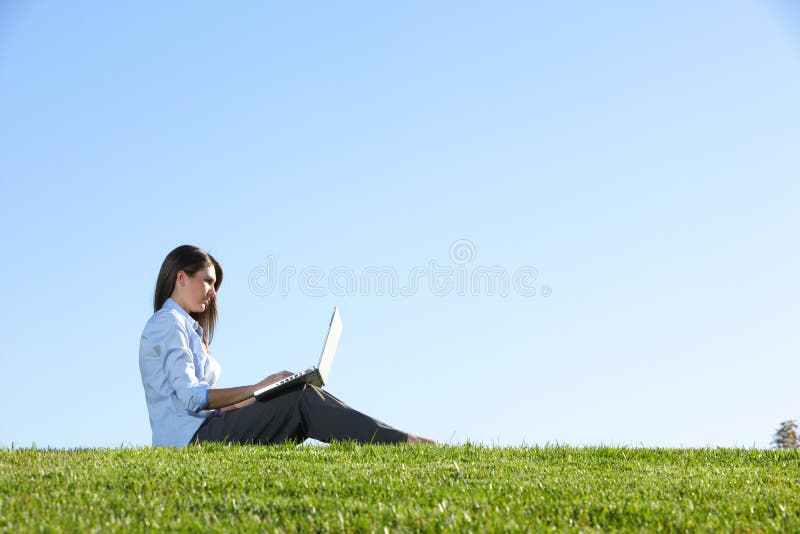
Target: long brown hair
point(189, 259)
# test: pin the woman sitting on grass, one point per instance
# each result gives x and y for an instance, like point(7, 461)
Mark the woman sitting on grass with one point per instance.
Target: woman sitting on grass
point(178, 374)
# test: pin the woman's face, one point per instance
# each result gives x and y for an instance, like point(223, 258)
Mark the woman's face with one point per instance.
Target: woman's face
point(193, 293)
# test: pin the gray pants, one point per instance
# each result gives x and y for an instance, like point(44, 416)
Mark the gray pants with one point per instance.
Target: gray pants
point(304, 412)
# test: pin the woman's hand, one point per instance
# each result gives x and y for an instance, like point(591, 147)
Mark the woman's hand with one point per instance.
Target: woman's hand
point(271, 379)
point(234, 398)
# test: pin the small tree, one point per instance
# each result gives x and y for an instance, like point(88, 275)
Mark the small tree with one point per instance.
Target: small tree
point(786, 436)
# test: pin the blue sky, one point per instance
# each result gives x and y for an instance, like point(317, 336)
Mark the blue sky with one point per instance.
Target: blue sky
point(642, 159)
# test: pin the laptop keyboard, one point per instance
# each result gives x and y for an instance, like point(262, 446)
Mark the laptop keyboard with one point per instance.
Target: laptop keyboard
point(296, 375)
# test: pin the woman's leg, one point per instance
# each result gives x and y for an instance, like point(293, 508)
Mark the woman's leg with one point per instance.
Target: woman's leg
point(305, 412)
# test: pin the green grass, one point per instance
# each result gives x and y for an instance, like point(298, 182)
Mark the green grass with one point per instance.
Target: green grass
point(350, 487)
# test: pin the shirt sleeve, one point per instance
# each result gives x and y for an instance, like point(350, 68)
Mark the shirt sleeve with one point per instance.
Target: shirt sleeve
point(179, 365)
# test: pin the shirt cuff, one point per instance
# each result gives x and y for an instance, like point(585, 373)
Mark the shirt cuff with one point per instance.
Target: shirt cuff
point(197, 399)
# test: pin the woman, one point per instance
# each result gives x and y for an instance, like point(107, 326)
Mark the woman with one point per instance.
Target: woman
point(178, 375)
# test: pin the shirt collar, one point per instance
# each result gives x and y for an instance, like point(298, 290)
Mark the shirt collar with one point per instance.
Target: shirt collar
point(172, 305)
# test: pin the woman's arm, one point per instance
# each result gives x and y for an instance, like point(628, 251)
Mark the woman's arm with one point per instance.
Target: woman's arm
point(222, 397)
point(233, 398)
point(238, 405)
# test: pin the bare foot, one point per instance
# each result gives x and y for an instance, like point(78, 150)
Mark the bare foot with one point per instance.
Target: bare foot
point(416, 440)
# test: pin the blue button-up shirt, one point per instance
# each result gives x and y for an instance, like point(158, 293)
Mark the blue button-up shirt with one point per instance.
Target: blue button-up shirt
point(177, 373)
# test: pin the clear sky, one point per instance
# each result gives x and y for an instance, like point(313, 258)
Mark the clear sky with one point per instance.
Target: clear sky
point(631, 169)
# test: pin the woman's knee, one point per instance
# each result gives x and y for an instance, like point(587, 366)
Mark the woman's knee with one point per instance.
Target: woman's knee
point(317, 394)
point(310, 390)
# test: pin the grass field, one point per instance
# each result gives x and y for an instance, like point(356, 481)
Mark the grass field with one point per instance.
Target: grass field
point(349, 487)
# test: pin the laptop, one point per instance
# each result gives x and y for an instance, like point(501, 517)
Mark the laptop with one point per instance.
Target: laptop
point(316, 376)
